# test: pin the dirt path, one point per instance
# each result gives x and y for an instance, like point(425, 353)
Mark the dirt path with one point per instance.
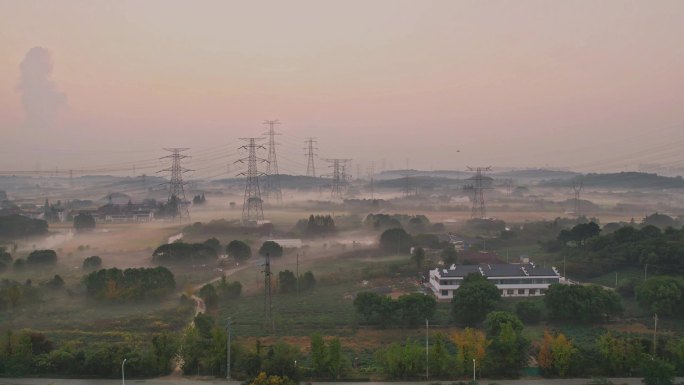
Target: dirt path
point(200, 307)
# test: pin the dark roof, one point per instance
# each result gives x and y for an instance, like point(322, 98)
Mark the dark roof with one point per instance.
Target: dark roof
point(499, 270)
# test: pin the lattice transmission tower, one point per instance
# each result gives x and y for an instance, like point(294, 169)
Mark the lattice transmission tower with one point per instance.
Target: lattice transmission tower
point(371, 178)
point(479, 209)
point(577, 187)
point(338, 175)
point(272, 190)
point(310, 153)
point(176, 190)
point(252, 208)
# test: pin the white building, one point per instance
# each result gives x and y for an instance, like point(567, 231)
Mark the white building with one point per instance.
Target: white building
point(288, 243)
point(512, 280)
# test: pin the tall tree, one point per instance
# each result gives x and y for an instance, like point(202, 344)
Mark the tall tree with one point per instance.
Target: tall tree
point(239, 250)
point(271, 248)
point(474, 298)
point(395, 240)
point(418, 257)
point(471, 344)
point(557, 354)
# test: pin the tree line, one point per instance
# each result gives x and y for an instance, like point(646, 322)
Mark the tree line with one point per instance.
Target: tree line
point(31, 353)
point(16, 226)
point(130, 284)
point(590, 253)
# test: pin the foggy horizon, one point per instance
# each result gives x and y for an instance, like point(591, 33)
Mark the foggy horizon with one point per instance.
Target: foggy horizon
point(582, 86)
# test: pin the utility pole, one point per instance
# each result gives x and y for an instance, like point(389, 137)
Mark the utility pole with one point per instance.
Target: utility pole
point(123, 376)
point(479, 209)
point(297, 274)
point(577, 187)
point(427, 347)
point(252, 209)
point(176, 189)
point(655, 333)
point(268, 304)
point(473, 369)
point(310, 148)
point(272, 188)
point(228, 349)
point(338, 175)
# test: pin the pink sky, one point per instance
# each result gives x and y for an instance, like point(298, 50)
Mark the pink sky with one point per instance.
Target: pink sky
point(508, 83)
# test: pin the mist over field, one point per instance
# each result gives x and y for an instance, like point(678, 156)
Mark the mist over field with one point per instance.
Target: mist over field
point(282, 193)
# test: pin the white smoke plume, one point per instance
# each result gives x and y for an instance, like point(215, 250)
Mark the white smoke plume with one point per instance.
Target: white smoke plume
point(40, 96)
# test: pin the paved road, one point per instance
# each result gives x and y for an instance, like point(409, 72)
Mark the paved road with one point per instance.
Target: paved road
point(185, 381)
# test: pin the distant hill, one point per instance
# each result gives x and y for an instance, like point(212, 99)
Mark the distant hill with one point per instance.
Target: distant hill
point(627, 180)
point(535, 174)
point(529, 174)
point(286, 181)
point(422, 182)
point(445, 174)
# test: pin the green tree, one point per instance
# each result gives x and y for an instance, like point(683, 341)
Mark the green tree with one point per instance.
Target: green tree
point(271, 248)
point(5, 259)
point(496, 319)
point(508, 351)
point(280, 360)
point(367, 304)
point(471, 344)
point(335, 362)
point(440, 360)
point(581, 303)
point(307, 281)
point(214, 244)
point(418, 257)
point(84, 221)
point(287, 282)
point(557, 354)
point(449, 255)
point(318, 355)
point(415, 308)
point(92, 263)
point(528, 311)
point(619, 355)
point(661, 294)
point(239, 250)
point(474, 298)
point(209, 295)
point(401, 362)
point(42, 258)
point(656, 371)
point(395, 240)
point(184, 253)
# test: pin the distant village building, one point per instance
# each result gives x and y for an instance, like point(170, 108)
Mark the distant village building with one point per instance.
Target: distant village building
point(291, 243)
point(125, 213)
point(512, 280)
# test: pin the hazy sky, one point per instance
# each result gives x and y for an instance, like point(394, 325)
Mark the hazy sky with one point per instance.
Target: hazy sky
point(508, 83)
